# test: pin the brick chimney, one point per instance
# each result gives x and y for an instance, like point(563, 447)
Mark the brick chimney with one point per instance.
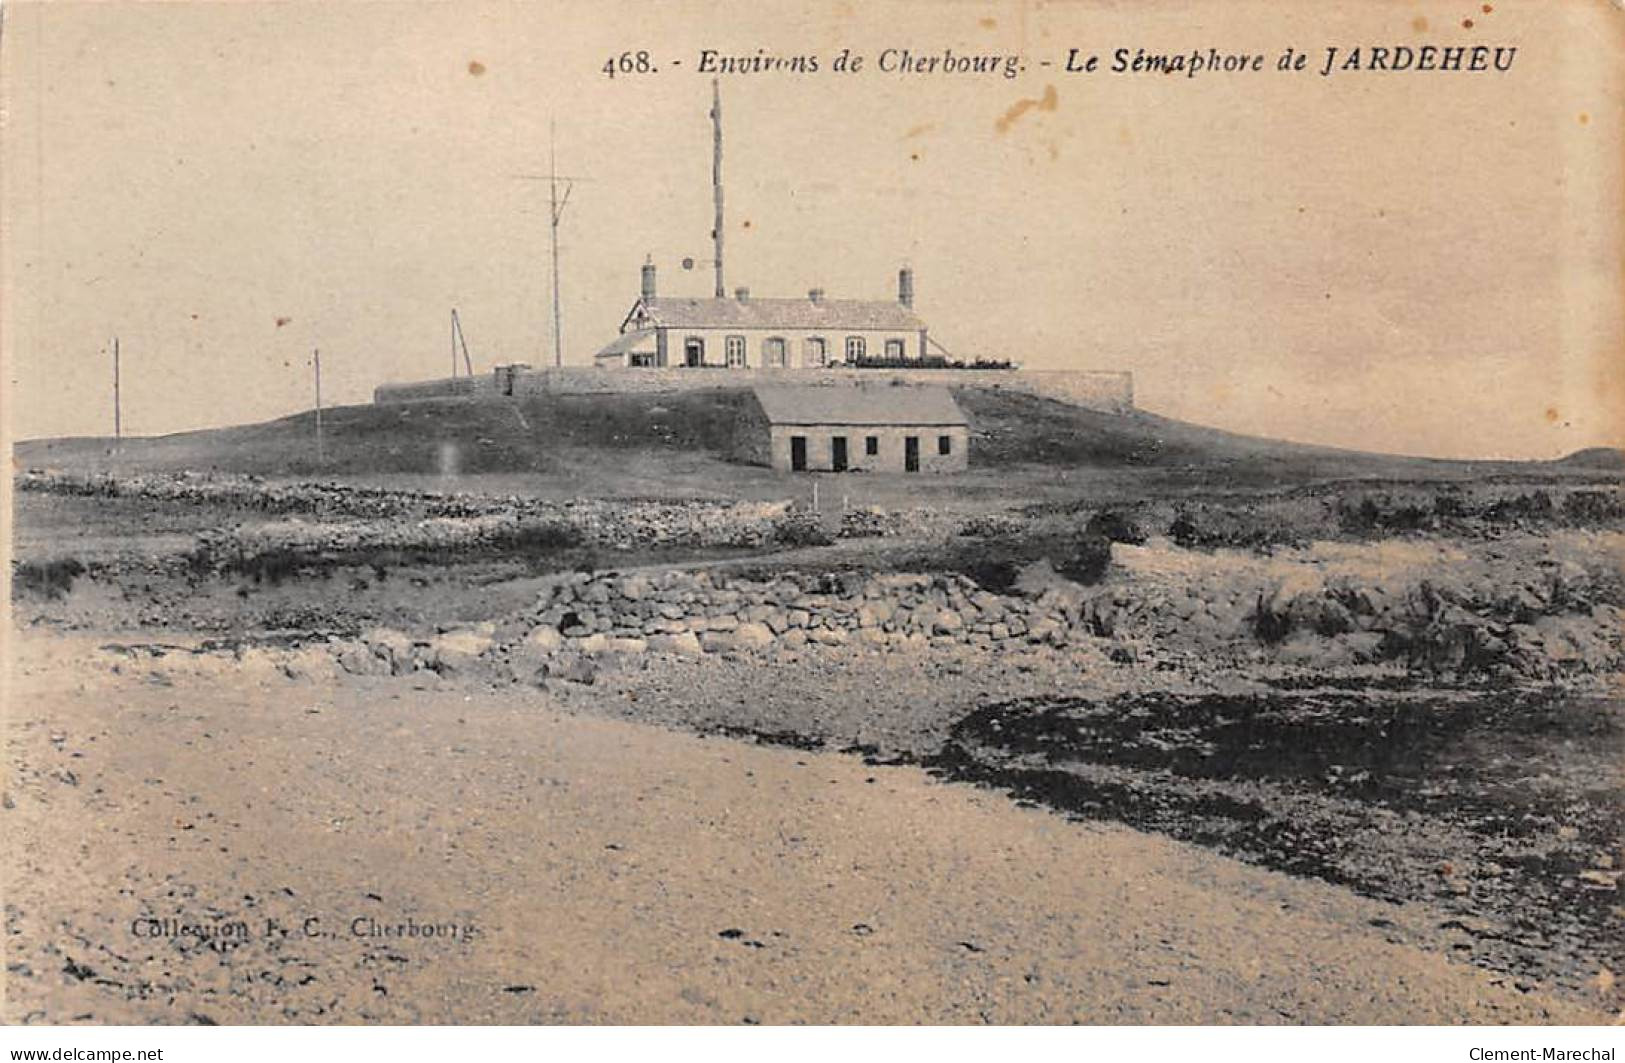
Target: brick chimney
point(742, 294)
point(648, 279)
point(905, 287)
point(815, 295)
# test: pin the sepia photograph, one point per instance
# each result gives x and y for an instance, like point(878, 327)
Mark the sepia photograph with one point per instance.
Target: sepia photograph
point(913, 513)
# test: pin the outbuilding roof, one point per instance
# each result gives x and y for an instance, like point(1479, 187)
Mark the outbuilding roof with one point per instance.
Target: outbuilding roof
point(859, 404)
point(753, 313)
point(637, 340)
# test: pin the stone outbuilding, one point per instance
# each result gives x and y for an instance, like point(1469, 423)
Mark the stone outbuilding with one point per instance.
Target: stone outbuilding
point(889, 428)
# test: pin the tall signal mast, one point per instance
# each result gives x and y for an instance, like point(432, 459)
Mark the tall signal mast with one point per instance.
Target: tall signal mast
point(716, 178)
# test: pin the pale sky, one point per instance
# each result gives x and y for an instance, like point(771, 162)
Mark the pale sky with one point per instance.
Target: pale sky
point(1409, 262)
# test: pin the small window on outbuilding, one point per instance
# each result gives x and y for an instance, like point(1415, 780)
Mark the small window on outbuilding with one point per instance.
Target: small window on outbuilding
point(945, 444)
point(871, 445)
point(854, 348)
point(734, 347)
point(894, 349)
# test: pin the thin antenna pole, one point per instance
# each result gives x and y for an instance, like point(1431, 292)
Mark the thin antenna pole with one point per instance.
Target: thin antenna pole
point(316, 359)
point(716, 177)
point(459, 340)
point(555, 210)
point(557, 200)
point(118, 418)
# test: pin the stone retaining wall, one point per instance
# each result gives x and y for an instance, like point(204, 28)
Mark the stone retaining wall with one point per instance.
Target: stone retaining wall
point(1112, 392)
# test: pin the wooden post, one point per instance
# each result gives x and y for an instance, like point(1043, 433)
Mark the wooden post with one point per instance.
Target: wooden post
point(316, 358)
point(118, 418)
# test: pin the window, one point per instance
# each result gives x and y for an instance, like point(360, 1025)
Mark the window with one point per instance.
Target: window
point(813, 352)
point(894, 349)
point(945, 444)
point(871, 445)
point(693, 351)
point(854, 348)
point(773, 352)
point(643, 360)
point(734, 347)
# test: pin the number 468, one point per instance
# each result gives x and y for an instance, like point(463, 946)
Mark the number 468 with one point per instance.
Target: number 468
point(628, 63)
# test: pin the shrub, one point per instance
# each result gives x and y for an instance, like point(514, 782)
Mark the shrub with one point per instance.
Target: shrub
point(268, 566)
point(1114, 527)
point(541, 536)
point(867, 522)
point(989, 525)
point(1592, 507)
point(994, 562)
point(1536, 506)
point(1184, 532)
point(49, 579)
point(1212, 527)
point(1370, 516)
point(991, 570)
point(1087, 560)
point(1269, 624)
point(800, 528)
point(1449, 507)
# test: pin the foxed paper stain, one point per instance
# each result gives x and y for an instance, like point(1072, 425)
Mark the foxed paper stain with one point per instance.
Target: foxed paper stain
point(1047, 102)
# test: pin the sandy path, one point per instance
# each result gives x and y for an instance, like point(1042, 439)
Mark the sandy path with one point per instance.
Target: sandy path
point(616, 873)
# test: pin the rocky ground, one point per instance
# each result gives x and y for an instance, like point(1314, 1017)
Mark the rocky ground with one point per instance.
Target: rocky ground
point(199, 839)
point(1423, 730)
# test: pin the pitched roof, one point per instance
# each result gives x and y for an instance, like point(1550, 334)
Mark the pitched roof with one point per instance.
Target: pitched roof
point(860, 404)
point(756, 313)
point(641, 338)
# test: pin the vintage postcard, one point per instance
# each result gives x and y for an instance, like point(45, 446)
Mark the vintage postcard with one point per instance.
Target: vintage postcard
point(816, 513)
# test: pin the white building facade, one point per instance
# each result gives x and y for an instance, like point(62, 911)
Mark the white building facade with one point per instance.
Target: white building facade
point(749, 333)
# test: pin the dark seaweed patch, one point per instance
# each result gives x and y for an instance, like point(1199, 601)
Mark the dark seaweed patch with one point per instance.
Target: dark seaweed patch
point(1489, 805)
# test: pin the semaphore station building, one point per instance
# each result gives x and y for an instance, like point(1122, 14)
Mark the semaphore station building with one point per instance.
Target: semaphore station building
point(745, 332)
point(838, 384)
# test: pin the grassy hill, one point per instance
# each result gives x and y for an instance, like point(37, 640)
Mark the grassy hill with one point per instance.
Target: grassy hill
point(1606, 458)
point(569, 436)
point(458, 436)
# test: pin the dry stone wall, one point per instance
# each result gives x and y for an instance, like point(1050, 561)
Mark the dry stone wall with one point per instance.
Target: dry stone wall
point(1537, 628)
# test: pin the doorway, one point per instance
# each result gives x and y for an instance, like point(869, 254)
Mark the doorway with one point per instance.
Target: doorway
point(798, 453)
point(693, 352)
point(911, 454)
point(837, 453)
